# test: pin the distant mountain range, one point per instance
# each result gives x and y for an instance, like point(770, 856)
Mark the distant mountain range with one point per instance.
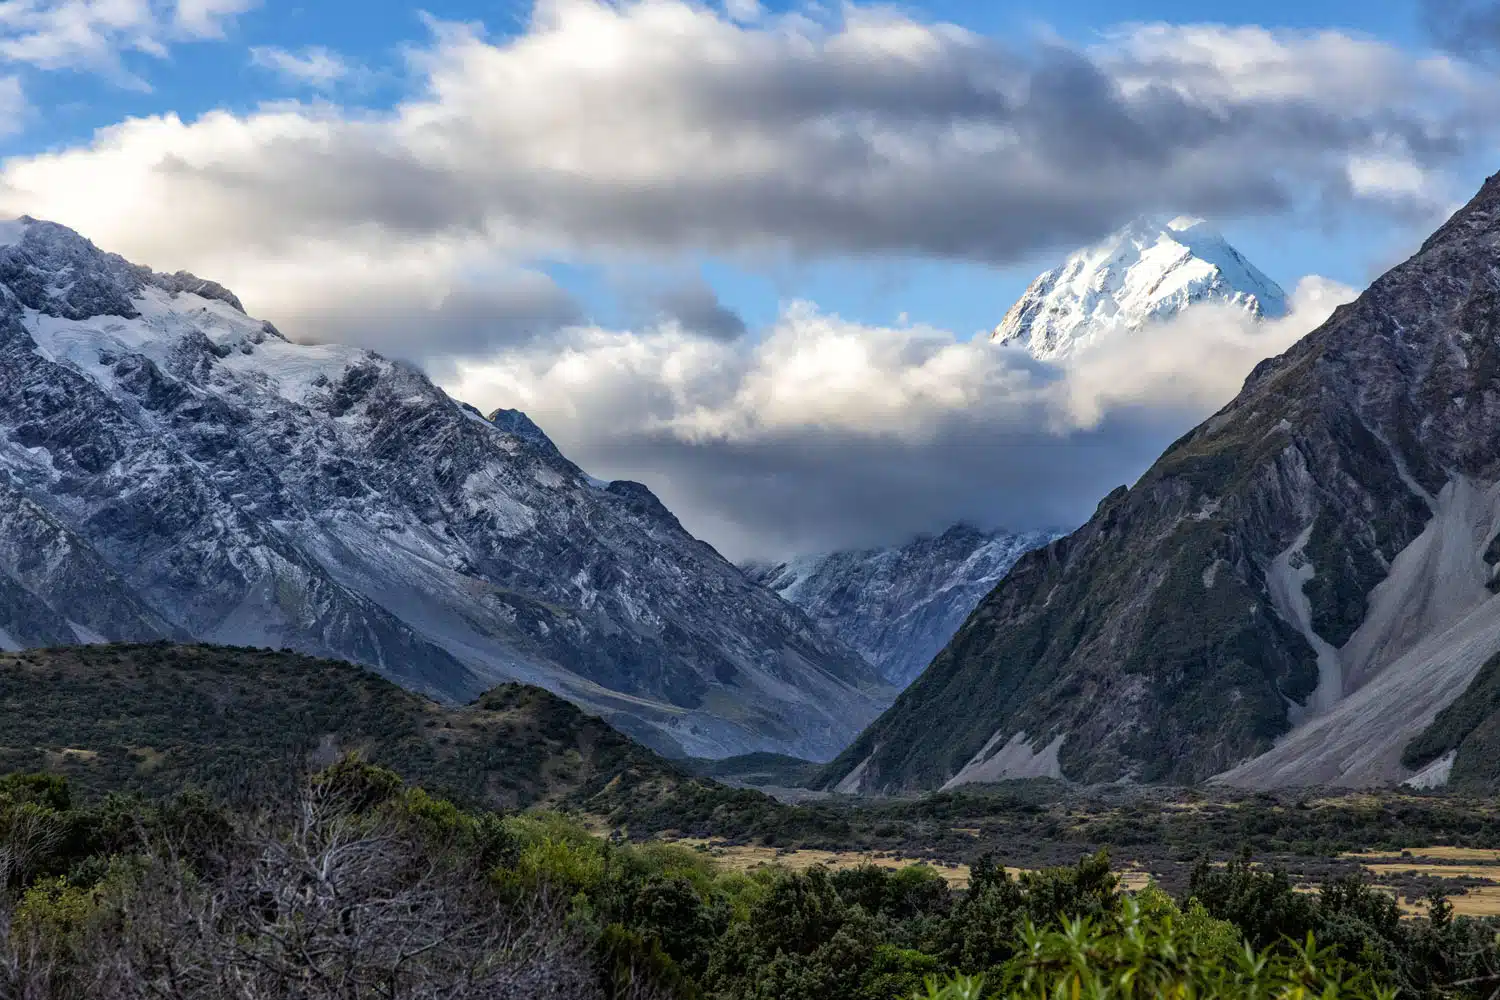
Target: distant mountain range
point(1147, 272)
point(1300, 591)
point(172, 468)
point(899, 606)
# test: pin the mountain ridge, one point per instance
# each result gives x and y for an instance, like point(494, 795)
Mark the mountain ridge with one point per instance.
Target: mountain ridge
point(1146, 272)
point(157, 718)
point(240, 488)
point(898, 606)
point(1290, 595)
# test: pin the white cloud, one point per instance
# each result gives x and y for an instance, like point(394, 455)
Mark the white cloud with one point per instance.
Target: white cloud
point(14, 107)
point(1345, 82)
point(78, 34)
point(1194, 364)
point(94, 35)
point(744, 11)
point(207, 18)
point(1229, 64)
point(428, 300)
point(1389, 176)
point(315, 66)
point(664, 127)
point(829, 433)
point(816, 372)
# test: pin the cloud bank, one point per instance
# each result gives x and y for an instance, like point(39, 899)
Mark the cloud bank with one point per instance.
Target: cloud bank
point(827, 434)
point(659, 129)
point(615, 134)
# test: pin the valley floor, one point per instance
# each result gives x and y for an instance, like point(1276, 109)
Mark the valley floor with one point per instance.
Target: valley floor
point(1407, 842)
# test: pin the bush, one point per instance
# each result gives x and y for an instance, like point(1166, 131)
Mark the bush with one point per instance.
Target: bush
point(361, 885)
point(1149, 952)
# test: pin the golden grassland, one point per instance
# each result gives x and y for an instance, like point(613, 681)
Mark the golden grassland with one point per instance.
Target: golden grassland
point(742, 857)
point(1444, 863)
point(1437, 862)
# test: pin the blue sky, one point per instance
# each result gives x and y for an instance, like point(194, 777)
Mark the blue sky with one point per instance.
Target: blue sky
point(741, 252)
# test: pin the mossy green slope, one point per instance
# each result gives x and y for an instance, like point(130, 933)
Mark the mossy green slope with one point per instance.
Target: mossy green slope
point(154, 718)
point(1470, 729)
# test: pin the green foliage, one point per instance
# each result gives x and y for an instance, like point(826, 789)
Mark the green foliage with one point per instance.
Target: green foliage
point(50, 791)
point(55, 910)
point(1262, 903)
point(1359, 925)
point(363, 786)
point(652, 921)
point(242, 723)
point(985, 930)
point(1471, 727)
point(1137, 956)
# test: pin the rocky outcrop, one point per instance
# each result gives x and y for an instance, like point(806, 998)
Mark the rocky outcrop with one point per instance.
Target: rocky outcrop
point(899, 606)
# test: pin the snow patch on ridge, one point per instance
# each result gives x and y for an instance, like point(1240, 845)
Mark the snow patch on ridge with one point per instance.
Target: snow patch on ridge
point(1146, 272)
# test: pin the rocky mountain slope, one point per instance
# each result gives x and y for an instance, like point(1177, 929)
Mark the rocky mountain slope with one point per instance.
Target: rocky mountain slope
point(899, 606)
point(171, 467)
point(1147, 272)
point(1290, 595)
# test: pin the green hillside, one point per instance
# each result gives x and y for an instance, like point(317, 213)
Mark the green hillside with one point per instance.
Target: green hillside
point(155, 718)
point(1470, 729)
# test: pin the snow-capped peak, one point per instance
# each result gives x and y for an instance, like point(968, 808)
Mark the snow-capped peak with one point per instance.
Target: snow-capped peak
point(1145, 272)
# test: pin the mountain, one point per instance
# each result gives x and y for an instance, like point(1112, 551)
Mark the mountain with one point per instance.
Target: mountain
point(899, 606)
point(1289, 596)
point(1147, 272)
point(159, 717)
point(172, 468)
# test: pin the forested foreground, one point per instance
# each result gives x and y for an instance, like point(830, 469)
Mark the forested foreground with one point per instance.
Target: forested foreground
point(360, 886)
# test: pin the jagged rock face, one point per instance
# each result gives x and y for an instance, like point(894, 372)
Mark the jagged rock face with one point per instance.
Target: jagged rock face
point(208, 478)
point(56, 591)
point(1148, 272)
point(899, 606)
point(1310, 568)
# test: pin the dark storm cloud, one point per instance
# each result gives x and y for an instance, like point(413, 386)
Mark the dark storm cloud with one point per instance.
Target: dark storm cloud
point(773, 498)
point(696, 307)
point(1470, 28)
